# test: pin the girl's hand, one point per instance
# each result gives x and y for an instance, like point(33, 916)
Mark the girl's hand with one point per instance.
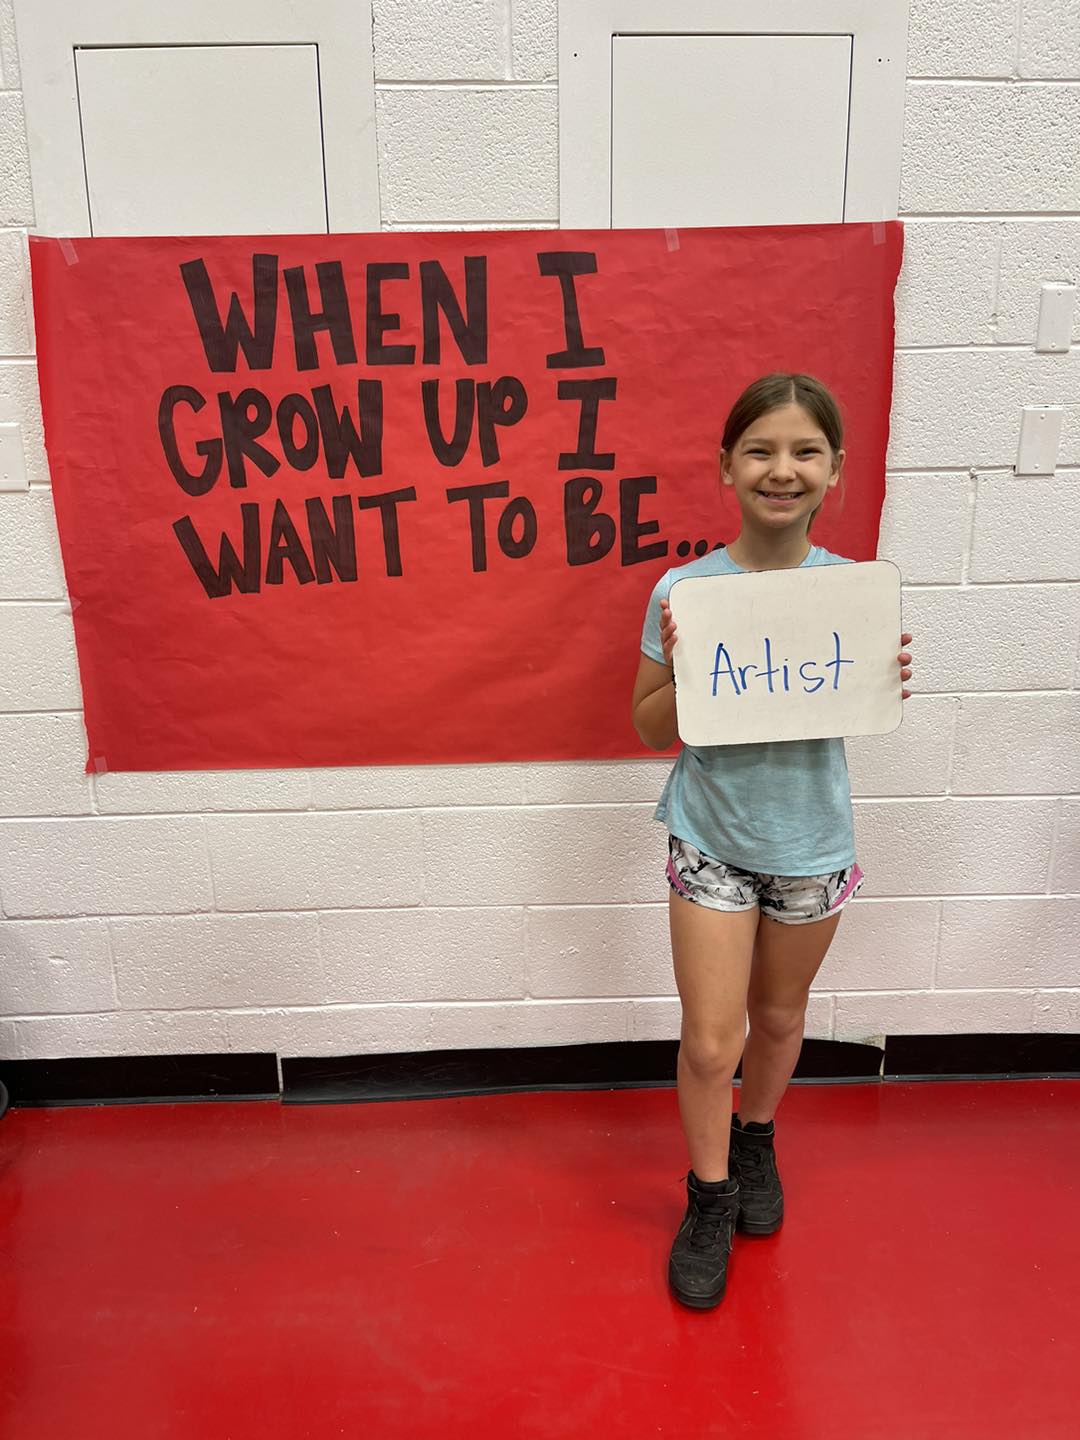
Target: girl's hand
point(905, 662)
point(667, 631)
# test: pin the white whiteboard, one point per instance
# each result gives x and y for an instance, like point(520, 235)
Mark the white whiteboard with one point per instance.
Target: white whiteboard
point(800, 654)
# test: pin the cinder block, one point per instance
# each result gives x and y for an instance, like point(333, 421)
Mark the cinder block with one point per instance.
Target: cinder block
point(449, 154)
point(195, 791)
point(1008, 944)
point(945, 294)
point(9, 52)
point(913, 760)
point(819, 1017)
point(103, 866)
point(882, 945)
point(375, 956)
point(41, 765)
point(55, 967)
point(440, 39)
point(930, 429)
point(599, 950)
point(1050, 39)
point(558, 856)
point(330, 1030)
point(656, 1020)
point(662, 1019)
point(990, 147)
point(166, 1032)
point(1065, 872)
point(536, 39)
point(937, 1012)
point(16, 199)
point(586, 1022)
point(38, 670)
point(1004, 637)
point(9, 1045)
point(1033, 251)
point(310, 862)
point(589, 782)
point(925, 524)
point(385, 787)
point(1057, 1012)
point(215, 961)
point(946, 847)
point(16, 337)
point(20, 401)
point(30, 566)
point(1027, 528)
point(1018, 744)
point(959, 37)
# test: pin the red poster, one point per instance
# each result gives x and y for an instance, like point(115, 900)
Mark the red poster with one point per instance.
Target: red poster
point(398, 498)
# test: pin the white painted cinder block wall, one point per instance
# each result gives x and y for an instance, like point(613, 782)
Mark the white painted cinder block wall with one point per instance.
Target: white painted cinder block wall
point(338, 911)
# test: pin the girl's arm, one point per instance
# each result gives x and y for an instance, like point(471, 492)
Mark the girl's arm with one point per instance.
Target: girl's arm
point(653, 706)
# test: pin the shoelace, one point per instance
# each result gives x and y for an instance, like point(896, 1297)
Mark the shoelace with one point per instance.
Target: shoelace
point(709, 1227)
point(757, 1162)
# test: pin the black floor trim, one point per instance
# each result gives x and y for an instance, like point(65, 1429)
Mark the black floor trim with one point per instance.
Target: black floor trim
point(443, 1074)
point(130, 1079)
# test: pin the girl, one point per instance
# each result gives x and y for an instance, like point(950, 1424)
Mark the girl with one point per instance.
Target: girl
point(761, 848)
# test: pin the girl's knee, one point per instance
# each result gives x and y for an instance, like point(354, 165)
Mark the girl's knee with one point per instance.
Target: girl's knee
point(777, 1022)
point(711, 1056)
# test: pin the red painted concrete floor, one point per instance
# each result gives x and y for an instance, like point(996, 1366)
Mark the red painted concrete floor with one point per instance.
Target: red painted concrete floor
point(496, 1266)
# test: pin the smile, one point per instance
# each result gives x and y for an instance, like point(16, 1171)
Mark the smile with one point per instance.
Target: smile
point(788, 498)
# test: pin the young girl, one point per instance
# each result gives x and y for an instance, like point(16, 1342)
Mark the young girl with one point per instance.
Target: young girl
point(761, 848)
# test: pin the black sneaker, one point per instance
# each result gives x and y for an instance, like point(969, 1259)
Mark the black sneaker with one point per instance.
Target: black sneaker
point(752, 1159)
point(697, 1270)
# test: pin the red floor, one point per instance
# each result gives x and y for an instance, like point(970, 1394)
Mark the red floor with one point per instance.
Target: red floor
point(496, 1266)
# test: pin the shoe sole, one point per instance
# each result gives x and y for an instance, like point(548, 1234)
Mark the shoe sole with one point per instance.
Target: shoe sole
point(758, 1227)
point(698, 1302)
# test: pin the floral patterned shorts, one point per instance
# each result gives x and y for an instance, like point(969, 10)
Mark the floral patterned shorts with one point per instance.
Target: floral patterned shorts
point(790, 899)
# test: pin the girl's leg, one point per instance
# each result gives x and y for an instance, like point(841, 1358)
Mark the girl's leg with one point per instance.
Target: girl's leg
point(712, 951)
point(786, 960)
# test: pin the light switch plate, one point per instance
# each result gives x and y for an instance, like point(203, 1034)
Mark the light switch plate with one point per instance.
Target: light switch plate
point(1056, 303)
point(12, 459)
point(1040, 435)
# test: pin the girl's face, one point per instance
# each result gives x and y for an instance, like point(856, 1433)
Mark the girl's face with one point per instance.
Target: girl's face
point(780, 468)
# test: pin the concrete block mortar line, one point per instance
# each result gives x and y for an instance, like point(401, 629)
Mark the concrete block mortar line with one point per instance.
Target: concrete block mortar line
point(986, 584)
point(989, 471)
point(969, 540)
point(1009, 82)
point(959, 79)
point(988, 216)
point(209, 863)
point(112, 962)
point(39, 600)
point(957, 349)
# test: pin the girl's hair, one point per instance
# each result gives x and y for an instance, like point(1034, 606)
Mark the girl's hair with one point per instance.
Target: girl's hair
point(772, 392)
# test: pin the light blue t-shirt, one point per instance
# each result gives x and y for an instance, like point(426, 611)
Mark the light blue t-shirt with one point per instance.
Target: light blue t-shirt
point(782, 807)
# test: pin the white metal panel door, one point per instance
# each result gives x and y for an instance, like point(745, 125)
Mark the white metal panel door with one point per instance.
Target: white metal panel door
point(729, 129)
point(222, 140)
